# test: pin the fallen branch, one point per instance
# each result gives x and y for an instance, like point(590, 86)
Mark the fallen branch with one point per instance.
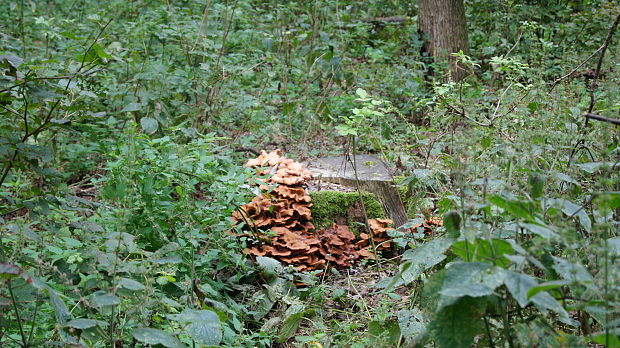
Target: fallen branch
point(589, 115)
point(391, 19)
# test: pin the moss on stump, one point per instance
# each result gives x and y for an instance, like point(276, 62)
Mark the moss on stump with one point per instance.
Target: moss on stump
point(343, 208)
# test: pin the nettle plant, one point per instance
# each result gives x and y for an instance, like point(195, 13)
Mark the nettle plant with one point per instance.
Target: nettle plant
point(509, 270)
point(152, 263)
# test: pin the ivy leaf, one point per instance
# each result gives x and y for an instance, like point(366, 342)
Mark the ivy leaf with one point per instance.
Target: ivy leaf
point(154, 336)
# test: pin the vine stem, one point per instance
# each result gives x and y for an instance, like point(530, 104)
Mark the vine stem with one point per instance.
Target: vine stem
point(19, 320)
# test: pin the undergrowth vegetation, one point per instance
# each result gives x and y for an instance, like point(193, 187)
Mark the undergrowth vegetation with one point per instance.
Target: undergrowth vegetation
point(125, 126)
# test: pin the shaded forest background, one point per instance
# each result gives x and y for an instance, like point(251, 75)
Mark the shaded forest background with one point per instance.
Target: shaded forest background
point(125, 126)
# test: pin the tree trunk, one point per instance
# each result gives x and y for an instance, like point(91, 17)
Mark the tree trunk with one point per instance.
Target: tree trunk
point(443, 26)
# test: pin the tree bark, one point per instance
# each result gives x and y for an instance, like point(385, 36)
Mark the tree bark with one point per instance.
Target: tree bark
point(443, 26)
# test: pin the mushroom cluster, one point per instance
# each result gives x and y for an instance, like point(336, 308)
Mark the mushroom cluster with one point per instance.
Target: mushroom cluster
point(380, 238)
point(281, 216)
point(278, 222)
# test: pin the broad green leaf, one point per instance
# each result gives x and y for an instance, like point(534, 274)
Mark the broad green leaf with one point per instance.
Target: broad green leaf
point(472, 279)
point(289, 326)
point(412, 322)
point(149, 125)
point(537, 185)
point(132, 107)
point(418, 260)
point(452, 222)
point(483, 250)
point(457, 325)
point(614, 245)
point(85, 323)
point(202, 325)
point(270, 267)
point(8, 270)
point(543, 301)
point(571, 209)
point(518, 209)
point(101, 298)
point(387, 331)
point(540, 231)
point(519, 284)
point(608, 339)
point(130, 284)
point(564, 177)
point(592, 167)
point(546, 286)
point(572, 272)
point(154, 336)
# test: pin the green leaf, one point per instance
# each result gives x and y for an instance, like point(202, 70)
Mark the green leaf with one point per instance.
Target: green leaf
point(518, 209)
point(154, 336)
point(452, 222)
point(130, 284)
point(474, 279)
point(387, 331)
point(131, 107)
point(202, 325)
point(541, 231)
point(543, 301)
point(537, 185)
point(457, 325)
point(592, 167)
point(8, 270)
point(572, 272)
point(571, 209)
point(412, 323)
point(149, 125)
point(270, 267)
point(482, 250)
point(82, 324)
point(608, 339)
point(418, 260)
point(519, 284)
point(546, 286)
point(101, 299)
point(289, 326)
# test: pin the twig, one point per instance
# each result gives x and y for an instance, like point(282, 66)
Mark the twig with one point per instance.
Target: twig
point(464, 115)
point(597, 72)
point(590, 115)
point(499, 102)
point(576, 68)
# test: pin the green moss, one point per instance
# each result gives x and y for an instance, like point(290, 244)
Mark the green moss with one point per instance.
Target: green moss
point(330, 207)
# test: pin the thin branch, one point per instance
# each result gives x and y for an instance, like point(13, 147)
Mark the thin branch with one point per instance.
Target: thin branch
point(464, 115)
point(499, 102)
point(590, 115)
point(576, 68)
point(597, 72)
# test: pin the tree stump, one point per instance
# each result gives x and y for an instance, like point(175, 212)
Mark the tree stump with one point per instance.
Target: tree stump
point(372, 176)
